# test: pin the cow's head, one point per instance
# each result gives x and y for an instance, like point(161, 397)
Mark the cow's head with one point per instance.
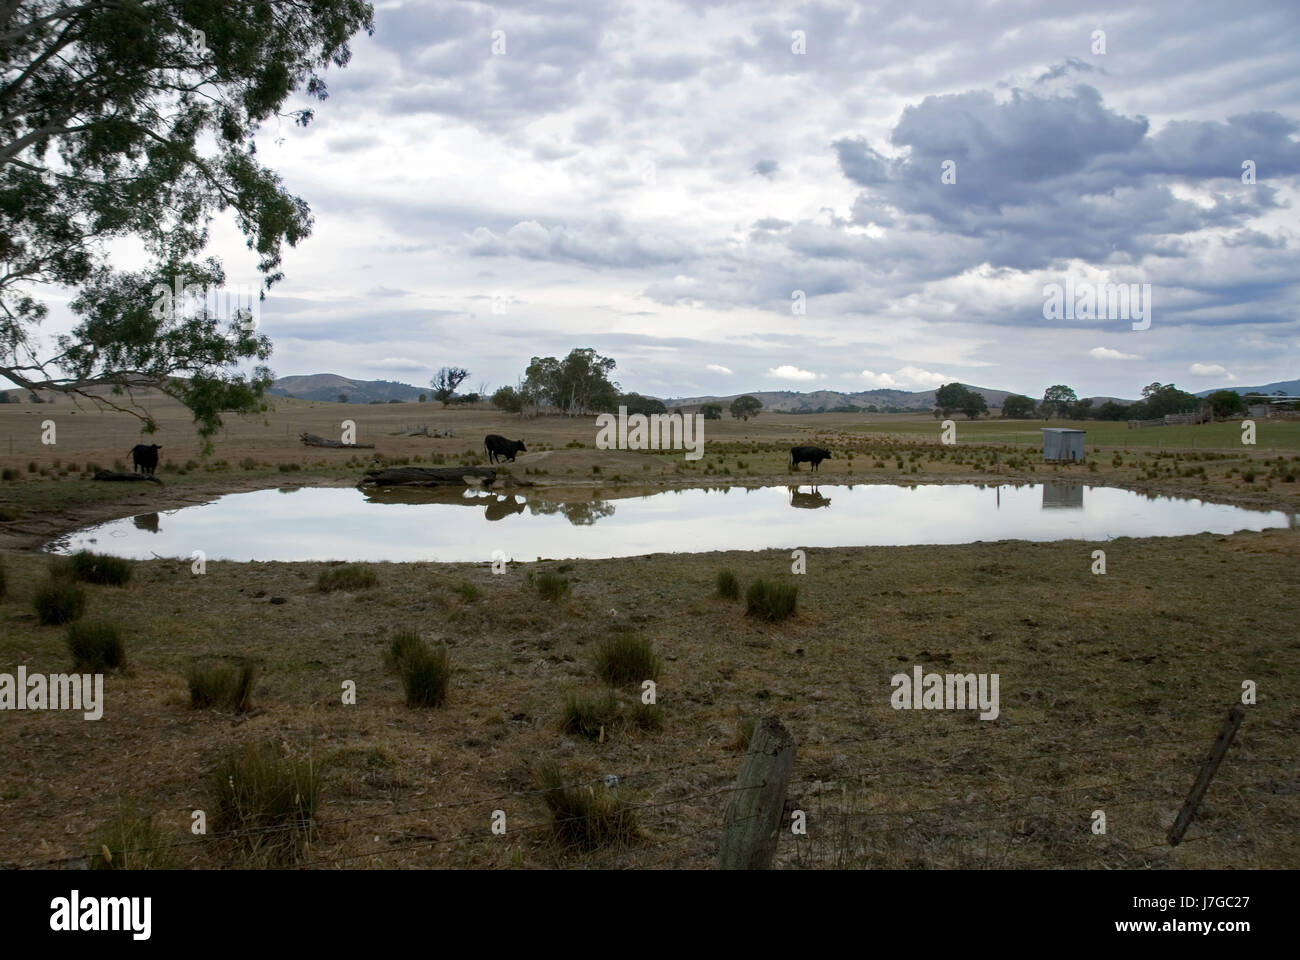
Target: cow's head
point(519, 445)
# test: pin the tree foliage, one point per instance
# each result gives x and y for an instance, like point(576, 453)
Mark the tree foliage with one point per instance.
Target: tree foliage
point(1018, 407)
point(445, 382)
point(742, 408)
point(133, 119)
point(1057, 401)
point(1225, 403)
point(579, 384)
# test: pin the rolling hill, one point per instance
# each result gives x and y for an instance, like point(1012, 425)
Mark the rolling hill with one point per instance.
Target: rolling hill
point(329, 386)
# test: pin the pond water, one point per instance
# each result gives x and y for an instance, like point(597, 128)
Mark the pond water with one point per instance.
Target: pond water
point(317, 523)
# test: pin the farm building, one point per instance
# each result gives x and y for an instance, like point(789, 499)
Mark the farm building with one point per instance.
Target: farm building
point(1062, 444)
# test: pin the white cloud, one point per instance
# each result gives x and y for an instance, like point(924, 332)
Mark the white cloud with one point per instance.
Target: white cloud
point(916, 377)
point(1106, 353)
point(719, 368)
point(1210, 370)
point(904, 378)
point(878, 380)
point(788, 372)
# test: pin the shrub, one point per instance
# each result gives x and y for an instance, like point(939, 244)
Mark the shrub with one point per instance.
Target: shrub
point(551, 586)
point(96, 568)
point(58, 601)
point(468, 592)
point(771, 601)
point(131, 841)
point(349, 576)
point(273, 797)
point(728, 585)
point(588, 716)
point(221, 685)
point(586, 817)
point(96, 647)
point(626, 659)
point(9, 474)
point(3, 580)
point(425, 673)
point(404, 642)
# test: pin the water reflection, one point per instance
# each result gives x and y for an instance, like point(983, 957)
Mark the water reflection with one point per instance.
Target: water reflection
point(326, 523)
point(581, 513)
point(1062, 496)
point(808, 500)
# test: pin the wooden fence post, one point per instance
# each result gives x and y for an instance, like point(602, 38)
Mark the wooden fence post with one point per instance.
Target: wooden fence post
point(1208, 768)
point(752, 823)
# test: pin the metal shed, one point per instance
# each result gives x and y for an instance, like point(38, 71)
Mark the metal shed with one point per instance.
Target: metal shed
point(1062, 444)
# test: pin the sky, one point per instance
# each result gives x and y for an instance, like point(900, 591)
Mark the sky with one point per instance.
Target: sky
point(728, 197)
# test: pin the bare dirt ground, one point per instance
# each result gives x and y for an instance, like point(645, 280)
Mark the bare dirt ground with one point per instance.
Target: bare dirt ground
point(1112, 687)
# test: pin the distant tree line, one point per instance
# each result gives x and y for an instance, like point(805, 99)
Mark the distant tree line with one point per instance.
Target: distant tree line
point(1158, 400)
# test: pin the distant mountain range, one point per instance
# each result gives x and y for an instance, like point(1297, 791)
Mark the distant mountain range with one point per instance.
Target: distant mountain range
point(329, 387)
point(790, 401)
point(1290, 388)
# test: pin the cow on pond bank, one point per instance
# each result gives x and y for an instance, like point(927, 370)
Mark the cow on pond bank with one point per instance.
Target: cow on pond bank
point(813, 455)
point(144, 458)
point(499, 446)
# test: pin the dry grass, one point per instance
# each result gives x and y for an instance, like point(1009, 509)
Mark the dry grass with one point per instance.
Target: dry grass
point(1112, 687)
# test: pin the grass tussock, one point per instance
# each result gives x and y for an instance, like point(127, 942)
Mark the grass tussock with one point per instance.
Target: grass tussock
point(97, 568)
point(590, 717)
point(626, 659)
point(771, 601)
point(551, 586)
point(271, 799)
point(4, 583)
point(586, 817)
point(132, 841)
point(602, 716)
point(728, 585)
point(349, 576)
point(59, 601)
point(425, 670)
point(468, 592)
point(228, 686)
point(96, 647)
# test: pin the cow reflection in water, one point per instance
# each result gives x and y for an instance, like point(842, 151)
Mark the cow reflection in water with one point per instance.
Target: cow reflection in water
point(146, 521)
point(503, 507)
point(808, 501)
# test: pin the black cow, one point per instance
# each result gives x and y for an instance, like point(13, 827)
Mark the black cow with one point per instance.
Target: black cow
point(814, 455)
point(498, 446)
point(144, 456)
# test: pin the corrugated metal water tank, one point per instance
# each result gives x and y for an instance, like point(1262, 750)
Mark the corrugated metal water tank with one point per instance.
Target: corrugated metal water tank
point(1062, 444)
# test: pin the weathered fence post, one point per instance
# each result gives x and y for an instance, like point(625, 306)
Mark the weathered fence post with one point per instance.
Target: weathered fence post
point(752, 823)
point(1208, 768)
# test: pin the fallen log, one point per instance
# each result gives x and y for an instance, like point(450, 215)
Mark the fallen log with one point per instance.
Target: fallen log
point(311, 440)
point(118, 475)
point(427, 476)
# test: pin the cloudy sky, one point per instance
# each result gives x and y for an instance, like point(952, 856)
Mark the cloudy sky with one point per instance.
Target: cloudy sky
point(657, 180)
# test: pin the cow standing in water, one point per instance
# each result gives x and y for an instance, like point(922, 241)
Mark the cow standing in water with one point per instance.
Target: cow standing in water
point(498, 446)
point(814, 455)
point(144, 457)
